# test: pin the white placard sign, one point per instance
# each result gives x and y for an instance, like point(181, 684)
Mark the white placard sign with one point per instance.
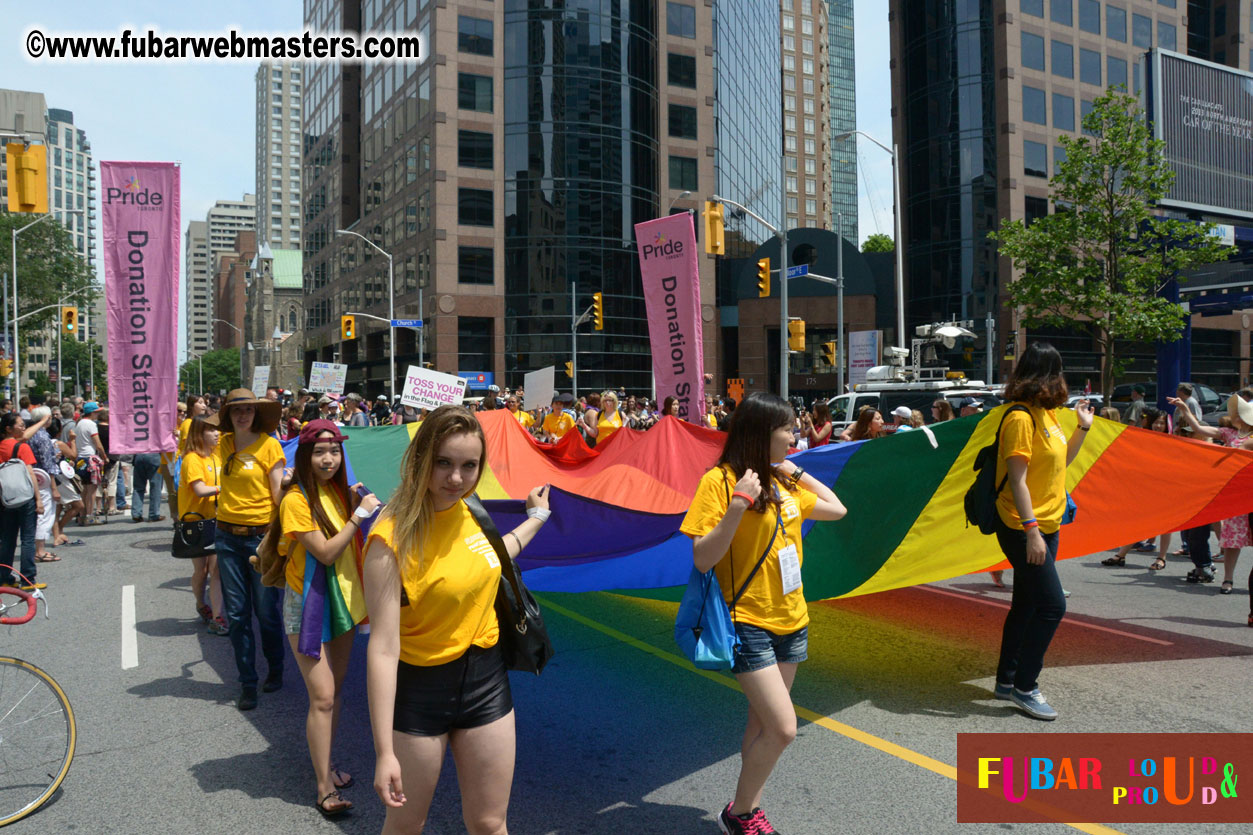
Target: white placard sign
point(864, 348)
point(538, 388)
point(428, 389)
point(260, 380)
point(328, 377)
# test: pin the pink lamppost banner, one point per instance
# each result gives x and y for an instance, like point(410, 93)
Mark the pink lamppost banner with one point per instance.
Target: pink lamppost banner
point(671, 276)
point(140, 213)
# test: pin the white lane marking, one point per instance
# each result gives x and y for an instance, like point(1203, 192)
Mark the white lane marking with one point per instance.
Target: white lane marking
point(1070, 621)
point(130, 643)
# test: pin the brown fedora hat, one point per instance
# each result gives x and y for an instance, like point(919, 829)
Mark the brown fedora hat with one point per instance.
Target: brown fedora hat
point(269, 411)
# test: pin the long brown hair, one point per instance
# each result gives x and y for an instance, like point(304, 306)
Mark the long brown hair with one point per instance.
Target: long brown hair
point(411, 508)
point(195, 435)
point(302, 475)
point(862, 429)
point(1038, 379)
point(748, 442)
point(944, 408)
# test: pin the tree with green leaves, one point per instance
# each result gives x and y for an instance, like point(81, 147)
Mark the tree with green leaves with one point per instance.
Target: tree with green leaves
point(878, 242)
point(1103, 256)
point(49, 271)
point(221, 372)
point(77, 362)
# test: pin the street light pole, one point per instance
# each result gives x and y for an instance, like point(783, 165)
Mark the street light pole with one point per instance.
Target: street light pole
point(391, 308)
point(242, 382)
point(839, 296)
point(17, 367)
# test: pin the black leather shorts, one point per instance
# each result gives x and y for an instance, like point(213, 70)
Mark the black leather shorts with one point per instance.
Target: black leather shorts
point(467, 692)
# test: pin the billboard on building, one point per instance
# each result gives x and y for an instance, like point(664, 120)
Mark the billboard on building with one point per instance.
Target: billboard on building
point(1204, 113)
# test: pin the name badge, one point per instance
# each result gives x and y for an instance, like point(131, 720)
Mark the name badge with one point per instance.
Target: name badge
point(790, 569)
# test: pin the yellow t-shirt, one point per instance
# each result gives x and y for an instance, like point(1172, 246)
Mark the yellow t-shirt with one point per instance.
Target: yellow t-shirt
point(763, 604)
point(197, 467)
point(184, 429)
point(1045, 451)
point(607, 426)
point(451, 601)
point(524, 418)
point(246, 498)
point(558, 424)
point(296, 517)
point(710, 420)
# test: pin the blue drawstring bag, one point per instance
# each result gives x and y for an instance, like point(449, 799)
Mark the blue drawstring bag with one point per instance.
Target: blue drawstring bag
point(703, 627)
point(1071, 510)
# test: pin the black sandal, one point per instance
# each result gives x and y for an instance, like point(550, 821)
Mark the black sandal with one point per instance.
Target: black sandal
point(1114, 561)
point(1158, 564)
point(339, 810)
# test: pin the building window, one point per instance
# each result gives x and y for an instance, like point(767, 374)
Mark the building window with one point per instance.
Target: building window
point(809, 106)
point(1036, 208)
point(681, 20)
point(811, 185)
point(790, 183)
point(475, 265)
point(474, 149)
point(683, 173)
point(789, 102)
point(1063, 112)
point(811, 207)
point(1090, 67)
point(475, 337)
point(1059, 156)
point(1085, 107)
point(1089, 16)
point(1142, 30)
point(809, 126)
point(811, 166)
point(474, 206)
point(474, 92)
point(1220, 21)
point(1116, 72)
point(790, 164)
point(789, 143)
point(807, 46)
point(1061, 11)
point(807, 66)
point(789, 63)
point(1166, 36)
point(681, 70)
point(807, 26)
point(1035, 159)
point(811, 147)
point(1033, 106)
point(1033, 7)
point(789, 23)
point(789, 43)
point(789, 122)
point(474, 35)
point(682, 121)
point(1063, 59)
point(1032, 51)
point(1115, 23)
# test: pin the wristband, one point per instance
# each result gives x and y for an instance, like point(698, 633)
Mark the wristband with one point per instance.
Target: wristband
point(1085, 428)
point(796, 475)
point(1030, 523)
point(742, 495)
point(362, 513)
point(540, 513)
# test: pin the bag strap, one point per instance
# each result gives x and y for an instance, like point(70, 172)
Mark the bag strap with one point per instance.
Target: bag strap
point(490, 531)
point(1017, 407)
point(778, 523)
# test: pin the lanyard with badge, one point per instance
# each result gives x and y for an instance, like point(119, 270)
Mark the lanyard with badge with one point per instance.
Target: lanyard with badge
point(789, 558)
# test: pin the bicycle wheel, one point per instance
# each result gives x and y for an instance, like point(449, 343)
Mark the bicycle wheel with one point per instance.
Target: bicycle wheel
point(37, 738)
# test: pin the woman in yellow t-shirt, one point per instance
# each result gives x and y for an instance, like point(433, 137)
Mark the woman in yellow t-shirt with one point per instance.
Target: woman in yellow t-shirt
point(199, 484)
point(252, 482)
point(523, 417)
point(321, 518)
point(434, 674)
point(609, 420)
point(745, 508)
point(1033, 457)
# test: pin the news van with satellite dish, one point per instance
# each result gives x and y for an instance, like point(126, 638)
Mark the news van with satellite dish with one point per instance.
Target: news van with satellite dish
point(915, 385)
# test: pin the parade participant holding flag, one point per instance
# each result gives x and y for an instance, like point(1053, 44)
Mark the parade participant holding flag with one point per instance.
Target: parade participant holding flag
point(609, 420)
point(321, 517)
point(748, 507)
point(558, 422)
point(523, 417)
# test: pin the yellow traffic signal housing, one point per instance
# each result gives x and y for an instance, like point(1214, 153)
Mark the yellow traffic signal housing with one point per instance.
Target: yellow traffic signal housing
point(828, 352)
point(763, 278)
point(28, 177)
point(796, 335)
point(570, 370)
point(715, 242)
point(598, 310)
point(347, 327)
point(6, 367)
point(69, 320)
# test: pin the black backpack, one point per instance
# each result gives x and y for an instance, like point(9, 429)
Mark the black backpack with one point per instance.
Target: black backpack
point(981, 497)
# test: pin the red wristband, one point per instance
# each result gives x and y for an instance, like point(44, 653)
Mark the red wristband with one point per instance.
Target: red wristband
point(1030, 524)
point(737, 494)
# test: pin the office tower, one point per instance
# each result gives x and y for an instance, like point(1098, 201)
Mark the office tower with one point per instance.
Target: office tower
point(278, 154)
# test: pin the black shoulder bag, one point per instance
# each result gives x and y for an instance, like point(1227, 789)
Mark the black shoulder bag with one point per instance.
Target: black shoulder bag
point(980, 501)
point(523, 639)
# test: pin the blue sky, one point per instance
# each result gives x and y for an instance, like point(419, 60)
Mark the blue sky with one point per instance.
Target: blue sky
point(202, 115)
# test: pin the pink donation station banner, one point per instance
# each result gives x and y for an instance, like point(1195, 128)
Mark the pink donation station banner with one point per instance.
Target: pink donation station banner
point(671, 276)
point(140, 211)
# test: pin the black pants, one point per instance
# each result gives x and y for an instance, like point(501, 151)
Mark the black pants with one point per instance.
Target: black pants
point(1197, 540)
point(1037, 608)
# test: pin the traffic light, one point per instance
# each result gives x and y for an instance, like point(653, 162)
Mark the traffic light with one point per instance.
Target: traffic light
point(347, 327)
point(714, 241)
point(796, 335)
point(6, 367)
point(69, 320)
point(763, 278)
point(28, 177)
point(598, 310)
point(570, 370)
point(828, 352)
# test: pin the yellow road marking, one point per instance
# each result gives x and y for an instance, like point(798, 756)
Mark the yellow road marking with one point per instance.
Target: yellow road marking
point(847, 731)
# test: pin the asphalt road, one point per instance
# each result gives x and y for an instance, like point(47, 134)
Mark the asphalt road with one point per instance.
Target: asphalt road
point(618, 735)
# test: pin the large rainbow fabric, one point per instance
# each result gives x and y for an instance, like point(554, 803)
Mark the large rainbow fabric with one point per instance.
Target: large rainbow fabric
point(617, 508)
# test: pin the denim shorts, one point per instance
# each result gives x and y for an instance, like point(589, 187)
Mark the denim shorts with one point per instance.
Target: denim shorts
point(761, 648)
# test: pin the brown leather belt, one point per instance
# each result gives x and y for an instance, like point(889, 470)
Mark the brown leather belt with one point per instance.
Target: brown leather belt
point(243, 530)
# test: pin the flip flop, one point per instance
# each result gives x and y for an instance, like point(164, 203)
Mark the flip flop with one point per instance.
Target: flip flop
point(331, 812)
point(47, 557)
point(72, 542)
point(1158, 564)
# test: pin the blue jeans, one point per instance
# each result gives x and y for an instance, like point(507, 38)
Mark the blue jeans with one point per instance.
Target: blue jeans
point(1035, 611)
point(1197, 540)
point(15, 520)
point(146, 478)
point(122, 493)
point(243, 595)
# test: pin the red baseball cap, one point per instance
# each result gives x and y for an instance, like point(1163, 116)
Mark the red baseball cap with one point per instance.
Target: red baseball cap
point(309, 434)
